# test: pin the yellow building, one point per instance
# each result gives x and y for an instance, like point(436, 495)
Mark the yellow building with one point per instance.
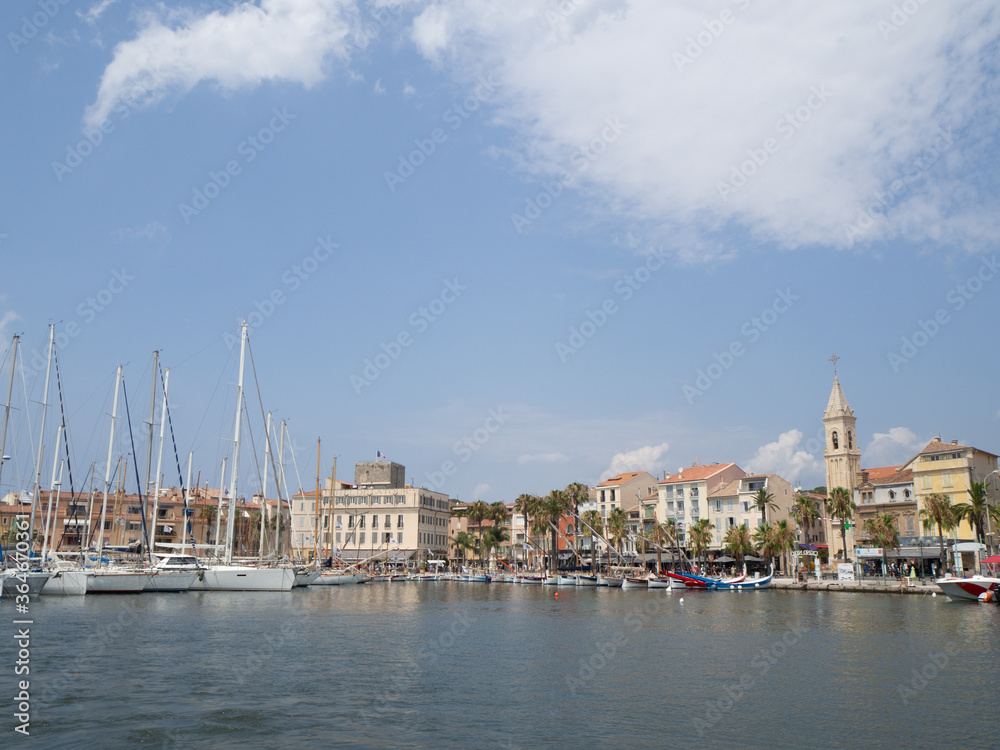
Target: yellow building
point(950, 469)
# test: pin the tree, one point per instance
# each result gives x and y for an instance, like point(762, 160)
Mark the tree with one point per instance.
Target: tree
point(463, 541)
point(763, 500)
point(550, 512)
point(660, 535)
point(763, 540)
point(493, 538)
point(976, 510)
point(784, 540)
point(937, 509)
point(577, 492)
point(805, 511)
point(526, 505)
point(592, 519)
point(881, 530)
point(841, 505)
point(616, 527)
point(478, 512)
point(700, 536)
point(737, 542)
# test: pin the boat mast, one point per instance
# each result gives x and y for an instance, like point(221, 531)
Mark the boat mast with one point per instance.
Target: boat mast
point(107, 470)
point(52, 492)
point(263, 494)
point(333, 501)
point(236, 446)
point(184, 508)
point(280, 475)
point(159, 459)
point(319, 501)
point(6, 411)
point(149, 447)
point(41, 436)
point(218, 510)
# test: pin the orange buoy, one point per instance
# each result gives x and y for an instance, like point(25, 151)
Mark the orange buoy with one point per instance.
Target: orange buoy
point(557, 595)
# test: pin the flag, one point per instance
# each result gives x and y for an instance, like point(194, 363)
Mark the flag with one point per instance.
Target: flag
point(246, 515)
point(338, 525)
point(337, 551)
point(381, 455)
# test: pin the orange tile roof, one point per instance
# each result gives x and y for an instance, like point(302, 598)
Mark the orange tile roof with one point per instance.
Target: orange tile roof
point(889, 475)
point(695, 473)
point(621, 478)
point(727, 490)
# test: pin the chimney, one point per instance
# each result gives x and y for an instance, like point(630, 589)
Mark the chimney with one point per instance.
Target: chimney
point(954, 442)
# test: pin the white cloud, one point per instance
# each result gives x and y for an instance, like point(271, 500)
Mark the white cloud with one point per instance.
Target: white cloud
point(646, 458)
point(847, 109)
point(408, 89)
point(278, 40)
point(379, 88)
point(892, 448)
point(542, 458)
point(785, 458)
point(480, 491)
point(95, 11)
point(154, 232)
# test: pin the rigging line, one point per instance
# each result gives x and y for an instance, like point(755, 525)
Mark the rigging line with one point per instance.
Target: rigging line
point(65, 432)
point(27, 413)
point(204, 415)
point(201, 351)
point(267, 436)
point(180, 475)
point(135, 465)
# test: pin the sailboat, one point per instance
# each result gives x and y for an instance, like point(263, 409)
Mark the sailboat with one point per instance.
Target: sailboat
point(230, 577)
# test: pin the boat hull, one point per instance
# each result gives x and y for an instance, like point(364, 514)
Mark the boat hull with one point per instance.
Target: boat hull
point(14, 586)
point(116, 582)
point(339, 579)
point(238, 578)
point(635, 583)
point(170, 581)
point(66, 583)
point(967, 589)
point(586, 580)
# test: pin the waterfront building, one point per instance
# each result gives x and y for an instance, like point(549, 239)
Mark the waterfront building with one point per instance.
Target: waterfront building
point(382, 518)
point(623, 491)
point(733, 505)
point(683, 497)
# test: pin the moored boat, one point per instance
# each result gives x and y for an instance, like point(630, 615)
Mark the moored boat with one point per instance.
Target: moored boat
point(968, 589)
point(632, 582)
point(584, 580)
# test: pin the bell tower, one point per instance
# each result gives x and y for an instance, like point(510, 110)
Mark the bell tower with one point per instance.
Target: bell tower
point(842, 454)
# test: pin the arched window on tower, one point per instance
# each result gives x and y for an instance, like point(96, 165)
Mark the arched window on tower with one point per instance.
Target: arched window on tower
point(850, 440)
point(836, 440)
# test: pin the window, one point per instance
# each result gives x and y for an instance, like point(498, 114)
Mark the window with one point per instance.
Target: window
point(718, 506)
point(680, 506)
point(388, 520)
point(835, 439)
point(338, 537)
point(361, 522)
point(362, 539)
point(374, 521)
point(376, 501)
point(340, 501)
point(388, 538)
point(850, 440)
point(350, 522)
point(892, 494)
point(399, 522)
point(302, 507)
point(946, 479)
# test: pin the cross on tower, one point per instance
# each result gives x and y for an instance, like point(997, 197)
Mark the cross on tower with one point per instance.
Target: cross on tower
point(834, 359)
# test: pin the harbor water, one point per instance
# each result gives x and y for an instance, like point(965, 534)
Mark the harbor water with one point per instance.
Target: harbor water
point(460, 665)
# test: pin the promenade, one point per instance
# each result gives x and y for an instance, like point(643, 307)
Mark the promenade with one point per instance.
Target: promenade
point(867, 585)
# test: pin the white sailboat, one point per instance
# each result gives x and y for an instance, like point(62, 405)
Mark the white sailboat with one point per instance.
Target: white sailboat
point(230, 577)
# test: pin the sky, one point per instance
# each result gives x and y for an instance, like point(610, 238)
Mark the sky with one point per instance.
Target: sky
point(508, 245)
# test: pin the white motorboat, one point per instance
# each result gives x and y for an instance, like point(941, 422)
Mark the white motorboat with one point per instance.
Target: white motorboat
point(968, 589)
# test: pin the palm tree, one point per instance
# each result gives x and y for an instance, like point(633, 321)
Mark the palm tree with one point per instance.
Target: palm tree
point(805, 511)
point(463, 541)
point(550, 512)
point(937, 508)
point(592, 519)
point(660, 535)
point(763, 540)
point(477, 512)
point(881, 530)
point(577, 492)
point(841, 505)
point(763, 500)
point(616, 527)
point(493, 538)
point(737, 542)
point(976, 510)
point(784, 540)
point(700, 536)
point(527, 505)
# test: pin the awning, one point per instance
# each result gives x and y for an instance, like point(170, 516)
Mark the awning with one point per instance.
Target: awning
point(725, 559)
point(992, 560)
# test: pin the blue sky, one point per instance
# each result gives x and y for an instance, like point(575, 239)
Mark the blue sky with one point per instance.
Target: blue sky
point(509, 245)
